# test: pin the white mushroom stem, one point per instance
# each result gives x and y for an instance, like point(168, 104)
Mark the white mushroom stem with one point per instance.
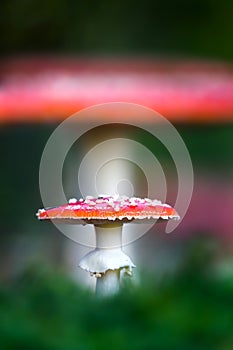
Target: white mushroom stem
point(108, 283)
point(108, 236)
point(108, 259)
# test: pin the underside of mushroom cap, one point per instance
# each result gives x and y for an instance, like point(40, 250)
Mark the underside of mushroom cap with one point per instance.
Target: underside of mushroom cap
point(108, 208)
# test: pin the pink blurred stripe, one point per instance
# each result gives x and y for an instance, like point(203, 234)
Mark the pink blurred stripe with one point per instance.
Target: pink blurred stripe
point(47, 89)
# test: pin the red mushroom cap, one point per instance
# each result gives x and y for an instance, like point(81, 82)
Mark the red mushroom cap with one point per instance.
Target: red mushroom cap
point(109, 208)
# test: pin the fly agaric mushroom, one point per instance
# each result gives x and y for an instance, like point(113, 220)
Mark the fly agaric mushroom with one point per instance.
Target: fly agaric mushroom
point(107, 214)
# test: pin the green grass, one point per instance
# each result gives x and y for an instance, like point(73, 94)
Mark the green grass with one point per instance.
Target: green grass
point(43, 309)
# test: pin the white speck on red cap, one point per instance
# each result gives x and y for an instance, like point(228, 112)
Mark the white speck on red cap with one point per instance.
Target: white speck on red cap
point(73, 200)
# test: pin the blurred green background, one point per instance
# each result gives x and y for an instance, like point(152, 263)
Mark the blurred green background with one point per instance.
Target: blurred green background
point(185, 299)
point(194, 28)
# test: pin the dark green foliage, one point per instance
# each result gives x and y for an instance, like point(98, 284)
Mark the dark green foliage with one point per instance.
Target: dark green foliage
point(43, 309)
point(201, 28)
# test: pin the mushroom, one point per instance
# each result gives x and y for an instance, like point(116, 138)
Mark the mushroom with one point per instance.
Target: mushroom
point(107, 214)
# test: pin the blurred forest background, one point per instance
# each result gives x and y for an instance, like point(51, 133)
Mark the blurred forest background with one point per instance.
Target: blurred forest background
point(185, 299)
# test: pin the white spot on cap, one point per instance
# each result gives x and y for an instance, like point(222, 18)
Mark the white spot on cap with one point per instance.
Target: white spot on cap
point(40, 211)
point(72, 200)
point(89, 197)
